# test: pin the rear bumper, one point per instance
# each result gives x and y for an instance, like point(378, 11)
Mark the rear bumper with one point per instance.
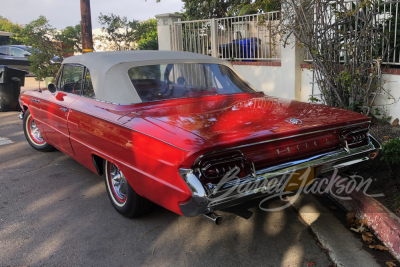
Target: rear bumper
point(206, 199)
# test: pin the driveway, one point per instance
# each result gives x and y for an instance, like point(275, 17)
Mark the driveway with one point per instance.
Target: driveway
point(53, 211)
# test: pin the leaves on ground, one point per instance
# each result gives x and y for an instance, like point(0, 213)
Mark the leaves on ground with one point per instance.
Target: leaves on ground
point(359, 229)
point(350, 217)
point(378, 247)
point(390, 263)
point(359, 226)
point(333, 207)
point(311, 263)
point(365, 221)
point(367, 237)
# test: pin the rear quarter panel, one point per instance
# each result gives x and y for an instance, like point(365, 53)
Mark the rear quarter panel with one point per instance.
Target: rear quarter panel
point(150, 165)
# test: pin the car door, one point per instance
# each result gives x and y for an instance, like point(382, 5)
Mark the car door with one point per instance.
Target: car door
point(56, 106)
point(5, 58)
point(19, 58)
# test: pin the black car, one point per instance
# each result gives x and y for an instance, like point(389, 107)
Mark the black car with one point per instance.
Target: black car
point(15, 56)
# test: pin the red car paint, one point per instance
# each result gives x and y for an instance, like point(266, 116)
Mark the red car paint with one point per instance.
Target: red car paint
point(150, 142)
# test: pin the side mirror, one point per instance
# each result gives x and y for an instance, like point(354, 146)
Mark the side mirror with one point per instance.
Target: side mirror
point(52, 88)
point(27, 55)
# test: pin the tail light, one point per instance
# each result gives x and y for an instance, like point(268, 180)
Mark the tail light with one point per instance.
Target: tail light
point(215, 166)
point(353, 137)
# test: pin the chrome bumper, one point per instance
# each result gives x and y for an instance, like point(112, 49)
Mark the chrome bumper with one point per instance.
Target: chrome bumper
point(205, 198)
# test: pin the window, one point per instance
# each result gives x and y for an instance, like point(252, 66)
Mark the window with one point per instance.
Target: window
point(3, 51)
point(17, 52)
point(88, 90)
point(160, 82)
point(71, 79)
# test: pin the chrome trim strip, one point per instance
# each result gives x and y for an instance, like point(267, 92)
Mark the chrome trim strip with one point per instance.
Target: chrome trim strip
point(202, 202)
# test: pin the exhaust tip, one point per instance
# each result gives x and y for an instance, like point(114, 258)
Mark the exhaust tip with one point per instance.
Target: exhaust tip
point(218, 221)
point(214, 218)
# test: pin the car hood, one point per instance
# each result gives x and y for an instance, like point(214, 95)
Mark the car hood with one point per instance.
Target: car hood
point(247, 117)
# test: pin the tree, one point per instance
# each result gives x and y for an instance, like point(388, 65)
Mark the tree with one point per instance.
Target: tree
point(147, 35)
point(8, 26)
point(40, 35)
point(118, 32)
point(71, 38)
point(258, 6)
point(207, 9)
point(345, 44)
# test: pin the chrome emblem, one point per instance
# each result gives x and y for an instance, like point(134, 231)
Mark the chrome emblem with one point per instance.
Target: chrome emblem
point(294, 121)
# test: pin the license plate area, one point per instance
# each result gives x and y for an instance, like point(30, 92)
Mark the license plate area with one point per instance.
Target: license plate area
point(300, 178)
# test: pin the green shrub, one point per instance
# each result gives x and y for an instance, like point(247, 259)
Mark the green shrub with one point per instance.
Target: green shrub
point(391, 151)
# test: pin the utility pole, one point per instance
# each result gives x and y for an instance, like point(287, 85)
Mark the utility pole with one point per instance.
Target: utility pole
point(86, 27)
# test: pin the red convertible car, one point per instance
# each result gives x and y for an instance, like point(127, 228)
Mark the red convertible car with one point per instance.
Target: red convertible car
point(169, 127)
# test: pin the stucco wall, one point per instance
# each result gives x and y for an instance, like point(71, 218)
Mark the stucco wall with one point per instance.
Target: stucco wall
point(306, 86)
point(390, 98)
point(264, 78)
point(270, 80)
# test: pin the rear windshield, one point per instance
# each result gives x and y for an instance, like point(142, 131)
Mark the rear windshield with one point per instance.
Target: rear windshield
point(167, 81)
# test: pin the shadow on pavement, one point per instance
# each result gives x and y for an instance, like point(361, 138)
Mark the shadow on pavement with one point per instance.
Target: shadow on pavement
point(54, 211)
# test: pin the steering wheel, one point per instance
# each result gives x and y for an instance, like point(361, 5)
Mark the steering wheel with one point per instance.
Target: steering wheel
point(73, 88)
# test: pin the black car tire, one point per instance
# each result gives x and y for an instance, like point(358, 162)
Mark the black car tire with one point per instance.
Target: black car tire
point(34, 138)
point(123, 198)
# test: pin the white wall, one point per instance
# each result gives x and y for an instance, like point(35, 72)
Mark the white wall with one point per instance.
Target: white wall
point(271, 80)
point(390, 98)
point(264, 78)
point(306, 86)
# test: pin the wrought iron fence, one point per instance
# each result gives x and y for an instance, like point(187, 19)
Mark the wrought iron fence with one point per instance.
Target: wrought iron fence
point(249, 37)
point(386, 18)
point(256, 37)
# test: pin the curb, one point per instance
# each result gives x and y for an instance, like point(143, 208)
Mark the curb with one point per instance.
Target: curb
point(343, 248)
point(381, 221)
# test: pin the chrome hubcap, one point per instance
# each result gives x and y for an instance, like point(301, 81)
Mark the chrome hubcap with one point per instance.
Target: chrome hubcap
point(35, 132)
point(118, 182)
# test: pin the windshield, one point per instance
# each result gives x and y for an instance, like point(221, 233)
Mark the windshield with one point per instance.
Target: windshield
point(183, 80)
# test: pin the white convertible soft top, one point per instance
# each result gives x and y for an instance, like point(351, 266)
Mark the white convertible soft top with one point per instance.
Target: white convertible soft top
point(109, 70)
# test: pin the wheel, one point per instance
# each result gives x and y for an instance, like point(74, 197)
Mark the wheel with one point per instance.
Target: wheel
point(122, 196)
point(33, 135)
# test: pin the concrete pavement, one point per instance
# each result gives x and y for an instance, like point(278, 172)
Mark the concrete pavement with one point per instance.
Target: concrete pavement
point(32, 84)
point(55, 212)
point(344, 249)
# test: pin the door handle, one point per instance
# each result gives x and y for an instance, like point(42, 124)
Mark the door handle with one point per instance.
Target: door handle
point(64, 109)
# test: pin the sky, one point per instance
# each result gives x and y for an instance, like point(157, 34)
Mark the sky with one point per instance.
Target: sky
point(63, 13)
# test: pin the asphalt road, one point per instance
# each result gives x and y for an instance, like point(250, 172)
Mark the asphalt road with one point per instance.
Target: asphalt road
point(55, 212)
